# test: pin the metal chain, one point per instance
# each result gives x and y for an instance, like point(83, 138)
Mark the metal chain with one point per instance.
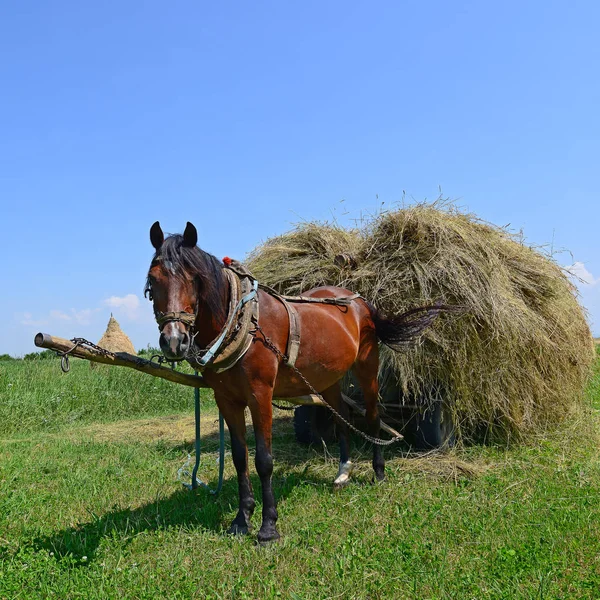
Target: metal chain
point(83, 341)
point(374, 440)
point(79, 341)
point(160, 359)
point(64, 356)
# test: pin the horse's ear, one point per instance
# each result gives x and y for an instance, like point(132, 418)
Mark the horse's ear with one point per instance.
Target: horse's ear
point(157, 237)
point(190, 236)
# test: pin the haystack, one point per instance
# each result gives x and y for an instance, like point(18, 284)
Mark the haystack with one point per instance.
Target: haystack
point(114, 339)
point(516, 361)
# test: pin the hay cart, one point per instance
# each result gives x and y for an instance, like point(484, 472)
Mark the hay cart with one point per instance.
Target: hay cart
point(426, 422)
point(514, 362)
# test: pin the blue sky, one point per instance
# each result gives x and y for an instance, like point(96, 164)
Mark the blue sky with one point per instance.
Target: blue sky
point(247, 117)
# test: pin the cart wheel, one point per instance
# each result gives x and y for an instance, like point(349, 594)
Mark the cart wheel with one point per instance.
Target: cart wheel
point(303, 424)
point(433, 428)
point(313, 423)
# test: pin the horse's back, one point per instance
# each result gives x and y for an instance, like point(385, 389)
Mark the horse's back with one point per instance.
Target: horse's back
point(327, 291)
point(332, 332)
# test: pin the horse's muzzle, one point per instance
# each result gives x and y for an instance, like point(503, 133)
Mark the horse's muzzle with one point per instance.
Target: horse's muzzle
point(175, 344)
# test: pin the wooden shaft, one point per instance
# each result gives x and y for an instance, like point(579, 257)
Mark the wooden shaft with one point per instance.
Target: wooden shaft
point(360, 410)
point(119, 359)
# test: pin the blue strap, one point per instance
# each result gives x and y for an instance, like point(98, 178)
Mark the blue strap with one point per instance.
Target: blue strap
point(210, 353)
point(195, 481)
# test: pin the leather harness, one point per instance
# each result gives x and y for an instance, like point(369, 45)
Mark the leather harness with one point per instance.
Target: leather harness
point(237, 335)
point(293, 345)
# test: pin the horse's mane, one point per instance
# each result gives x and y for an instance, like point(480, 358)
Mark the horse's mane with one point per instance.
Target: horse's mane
point(194, 262)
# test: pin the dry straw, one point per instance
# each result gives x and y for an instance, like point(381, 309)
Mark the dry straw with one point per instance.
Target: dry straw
point(114, 339)
point(514, 363)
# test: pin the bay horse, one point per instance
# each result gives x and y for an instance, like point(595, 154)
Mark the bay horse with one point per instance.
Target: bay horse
point(190, 286)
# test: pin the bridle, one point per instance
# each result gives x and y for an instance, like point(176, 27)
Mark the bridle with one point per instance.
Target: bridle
point(173, 317)
point(162, 318)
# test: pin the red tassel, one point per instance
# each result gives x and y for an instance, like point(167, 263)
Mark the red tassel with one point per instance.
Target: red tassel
point(227, 261)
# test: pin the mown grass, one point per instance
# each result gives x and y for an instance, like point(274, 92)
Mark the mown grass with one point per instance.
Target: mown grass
point(91, 508)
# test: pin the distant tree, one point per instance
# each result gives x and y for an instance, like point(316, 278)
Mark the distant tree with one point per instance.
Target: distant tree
point(149, 351)
point(6, 357)
point(43, 355)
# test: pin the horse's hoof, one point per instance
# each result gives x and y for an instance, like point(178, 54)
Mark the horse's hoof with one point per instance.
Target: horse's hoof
point(378, 478)
point(236, 529)
point(343, 476)
point(341, 485)
point(267, 536)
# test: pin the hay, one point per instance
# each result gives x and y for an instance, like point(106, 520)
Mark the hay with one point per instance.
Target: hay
point(516, 362)
point(114, 339)
point(305, 258)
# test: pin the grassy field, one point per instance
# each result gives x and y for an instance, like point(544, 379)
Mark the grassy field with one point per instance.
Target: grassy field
point(90, 505)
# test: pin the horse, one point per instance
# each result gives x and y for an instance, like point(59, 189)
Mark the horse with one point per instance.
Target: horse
point(190, 291)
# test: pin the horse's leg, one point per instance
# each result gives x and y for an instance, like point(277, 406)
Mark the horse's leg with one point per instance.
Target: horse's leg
point(333, 397)
point(236, 422)
point(365, 368)
point(262, 420)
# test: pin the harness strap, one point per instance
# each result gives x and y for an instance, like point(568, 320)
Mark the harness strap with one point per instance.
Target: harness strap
point(294, 337)
point(342, 301)
point(235, 334)
point(293, 344)
point(293, 347)
point(214, 348)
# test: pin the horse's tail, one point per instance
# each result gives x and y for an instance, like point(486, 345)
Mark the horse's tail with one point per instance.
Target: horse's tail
point(400, 332)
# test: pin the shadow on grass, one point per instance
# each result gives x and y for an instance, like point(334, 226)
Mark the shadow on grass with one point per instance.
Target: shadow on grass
point(183, 509)
point(200, 509)
point(180, 509)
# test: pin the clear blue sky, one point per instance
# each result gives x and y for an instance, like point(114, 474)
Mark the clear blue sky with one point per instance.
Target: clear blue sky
point(245, 117)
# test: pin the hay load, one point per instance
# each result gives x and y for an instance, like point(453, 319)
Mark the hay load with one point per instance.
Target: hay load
point(114, 339)
point(515, 362)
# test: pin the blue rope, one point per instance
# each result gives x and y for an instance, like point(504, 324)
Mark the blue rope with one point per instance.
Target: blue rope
point(195, 481)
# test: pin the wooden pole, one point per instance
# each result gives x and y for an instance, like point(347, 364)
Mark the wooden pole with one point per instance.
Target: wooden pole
point(119, 359)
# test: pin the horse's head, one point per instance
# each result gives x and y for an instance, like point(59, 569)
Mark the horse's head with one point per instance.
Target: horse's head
point(172, 286)
point(188, 289)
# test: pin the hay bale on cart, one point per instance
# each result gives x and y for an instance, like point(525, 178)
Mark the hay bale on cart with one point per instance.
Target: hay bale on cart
point(514, 363)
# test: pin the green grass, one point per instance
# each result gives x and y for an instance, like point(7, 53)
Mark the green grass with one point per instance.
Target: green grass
point(90, 508)
point(37, 396)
